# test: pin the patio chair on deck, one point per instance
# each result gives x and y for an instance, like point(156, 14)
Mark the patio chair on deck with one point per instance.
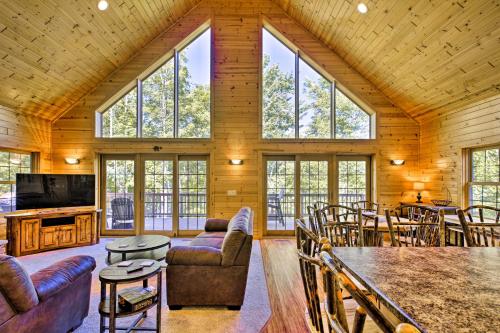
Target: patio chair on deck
point(274, 202)
point(122, 212)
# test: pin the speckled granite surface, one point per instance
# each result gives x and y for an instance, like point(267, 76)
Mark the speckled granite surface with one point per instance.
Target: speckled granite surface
point(441, 289)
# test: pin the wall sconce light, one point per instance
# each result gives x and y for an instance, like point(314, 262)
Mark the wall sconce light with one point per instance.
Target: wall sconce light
point(397, 162)
point(236, 162)
point(72, 160)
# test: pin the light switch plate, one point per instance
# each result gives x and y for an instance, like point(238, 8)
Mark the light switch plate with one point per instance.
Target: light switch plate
point(231, 193)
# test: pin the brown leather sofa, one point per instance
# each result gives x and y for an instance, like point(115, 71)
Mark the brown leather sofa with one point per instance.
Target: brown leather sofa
point(54, 299)
point(213, 268)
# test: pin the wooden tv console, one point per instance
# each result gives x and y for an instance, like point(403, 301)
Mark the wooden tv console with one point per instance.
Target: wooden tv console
point(34, 231)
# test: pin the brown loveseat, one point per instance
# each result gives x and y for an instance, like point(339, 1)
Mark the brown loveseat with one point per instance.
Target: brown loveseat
point(54, 299)
point(213, 268)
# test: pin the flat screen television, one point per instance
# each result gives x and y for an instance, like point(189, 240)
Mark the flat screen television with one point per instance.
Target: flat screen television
point(51, 191)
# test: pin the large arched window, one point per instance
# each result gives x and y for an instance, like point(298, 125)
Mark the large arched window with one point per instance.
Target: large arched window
point(173, 101)
point(300, 103)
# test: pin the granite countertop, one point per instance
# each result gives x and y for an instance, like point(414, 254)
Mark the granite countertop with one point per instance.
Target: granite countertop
point(440, 289)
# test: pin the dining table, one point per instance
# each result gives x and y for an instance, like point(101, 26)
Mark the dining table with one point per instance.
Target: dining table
point(452, 289)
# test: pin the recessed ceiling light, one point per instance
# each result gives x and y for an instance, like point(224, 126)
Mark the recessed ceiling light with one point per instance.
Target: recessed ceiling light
point(102, 5)
point(362, 8)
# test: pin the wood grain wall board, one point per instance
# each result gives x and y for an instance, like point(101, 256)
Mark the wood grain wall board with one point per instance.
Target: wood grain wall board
point(55, 52)
point(236, 110)
point(428, 57)
point(25, 133)
point(442, 144)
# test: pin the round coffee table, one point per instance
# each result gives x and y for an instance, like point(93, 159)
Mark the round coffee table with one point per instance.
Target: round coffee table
point(114, 275)
point(138, 247)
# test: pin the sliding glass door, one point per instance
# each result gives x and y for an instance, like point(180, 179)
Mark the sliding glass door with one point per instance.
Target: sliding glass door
point(313, 183)
point(294, 182)
point(118, 194)
point(192, 193)
point(353, 179)
point(280, 194)
point(158, 194)
point(154, 194)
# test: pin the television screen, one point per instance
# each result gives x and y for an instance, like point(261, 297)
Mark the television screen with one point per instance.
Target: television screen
point(51, 191)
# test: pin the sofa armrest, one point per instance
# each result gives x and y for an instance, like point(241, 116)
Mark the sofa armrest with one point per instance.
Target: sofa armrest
point(49, 281)
point(194, 256)
point(214, 225)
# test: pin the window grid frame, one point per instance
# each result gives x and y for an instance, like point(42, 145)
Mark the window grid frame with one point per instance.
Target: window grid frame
point(333, 90)
point(288, 171)
point(98, 129)
point(166, 205)
point(12, 183)
point(471, 183)
point(197, 217)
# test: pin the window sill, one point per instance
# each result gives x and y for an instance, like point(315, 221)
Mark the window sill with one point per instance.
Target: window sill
point(306, 141)
point(177, 140)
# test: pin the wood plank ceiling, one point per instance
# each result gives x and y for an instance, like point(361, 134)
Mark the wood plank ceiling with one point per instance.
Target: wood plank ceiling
point(53, 52)
point(427, 56)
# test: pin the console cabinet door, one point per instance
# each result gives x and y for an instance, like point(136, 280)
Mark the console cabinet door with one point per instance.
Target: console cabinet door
point(83, 229)
point(67, 235)
point(49, 237)
point(30, 230)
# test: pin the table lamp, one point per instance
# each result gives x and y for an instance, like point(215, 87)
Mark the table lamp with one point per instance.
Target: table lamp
point(418, 186)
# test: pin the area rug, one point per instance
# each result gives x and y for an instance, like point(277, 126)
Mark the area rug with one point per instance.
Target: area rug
point(254, 313)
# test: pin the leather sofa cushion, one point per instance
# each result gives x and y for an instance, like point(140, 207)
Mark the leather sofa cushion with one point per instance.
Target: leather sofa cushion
point(214, 225)
point(16, 285)
point(215, 242)
point(6, 311)
point(51, 280)
point(237, 231)
point(194, 256)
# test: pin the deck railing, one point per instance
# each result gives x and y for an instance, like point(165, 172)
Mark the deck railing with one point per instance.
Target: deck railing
point(192, 205)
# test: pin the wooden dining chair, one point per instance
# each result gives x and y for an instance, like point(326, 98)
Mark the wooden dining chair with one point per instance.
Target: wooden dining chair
point(343, 225)
point(336, 284)
point(307, 251)
point(478, 230)
point(366, 206)
point(372, 235)
point(334, 301)
point(427, 231)
point(314, 224)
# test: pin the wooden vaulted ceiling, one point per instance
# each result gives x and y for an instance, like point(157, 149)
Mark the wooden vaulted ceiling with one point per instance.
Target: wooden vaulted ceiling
point(427, 56)
point(53, 52)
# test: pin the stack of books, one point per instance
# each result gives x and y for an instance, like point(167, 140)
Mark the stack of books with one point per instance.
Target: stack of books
point(137, 298)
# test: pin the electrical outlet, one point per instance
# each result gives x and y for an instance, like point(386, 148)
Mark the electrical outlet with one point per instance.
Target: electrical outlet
point(231, 193)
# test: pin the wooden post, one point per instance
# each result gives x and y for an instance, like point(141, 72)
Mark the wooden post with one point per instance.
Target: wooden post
point(442, 229)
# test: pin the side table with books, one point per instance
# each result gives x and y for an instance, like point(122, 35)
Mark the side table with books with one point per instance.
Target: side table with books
point(130, 301)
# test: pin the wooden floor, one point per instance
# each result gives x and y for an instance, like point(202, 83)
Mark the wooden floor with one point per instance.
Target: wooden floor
point(284, 284)
point(286, 293)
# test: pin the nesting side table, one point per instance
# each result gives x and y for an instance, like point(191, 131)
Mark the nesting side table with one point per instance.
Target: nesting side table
point(108, 306)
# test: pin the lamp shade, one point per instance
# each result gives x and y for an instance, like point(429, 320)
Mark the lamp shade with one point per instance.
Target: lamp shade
point(418, 186)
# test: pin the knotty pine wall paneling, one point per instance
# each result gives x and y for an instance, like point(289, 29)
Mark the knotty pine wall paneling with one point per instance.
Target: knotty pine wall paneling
point(236, 110)
point(24, 133)
point(444, 139)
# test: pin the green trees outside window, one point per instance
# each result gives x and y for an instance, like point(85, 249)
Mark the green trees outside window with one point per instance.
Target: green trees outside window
point(10, 164)
point(172, 102)
point(298, 102)
point(484, 181)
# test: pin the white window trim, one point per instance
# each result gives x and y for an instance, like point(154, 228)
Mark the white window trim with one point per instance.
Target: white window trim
point(137, 83)
point(334, 85)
